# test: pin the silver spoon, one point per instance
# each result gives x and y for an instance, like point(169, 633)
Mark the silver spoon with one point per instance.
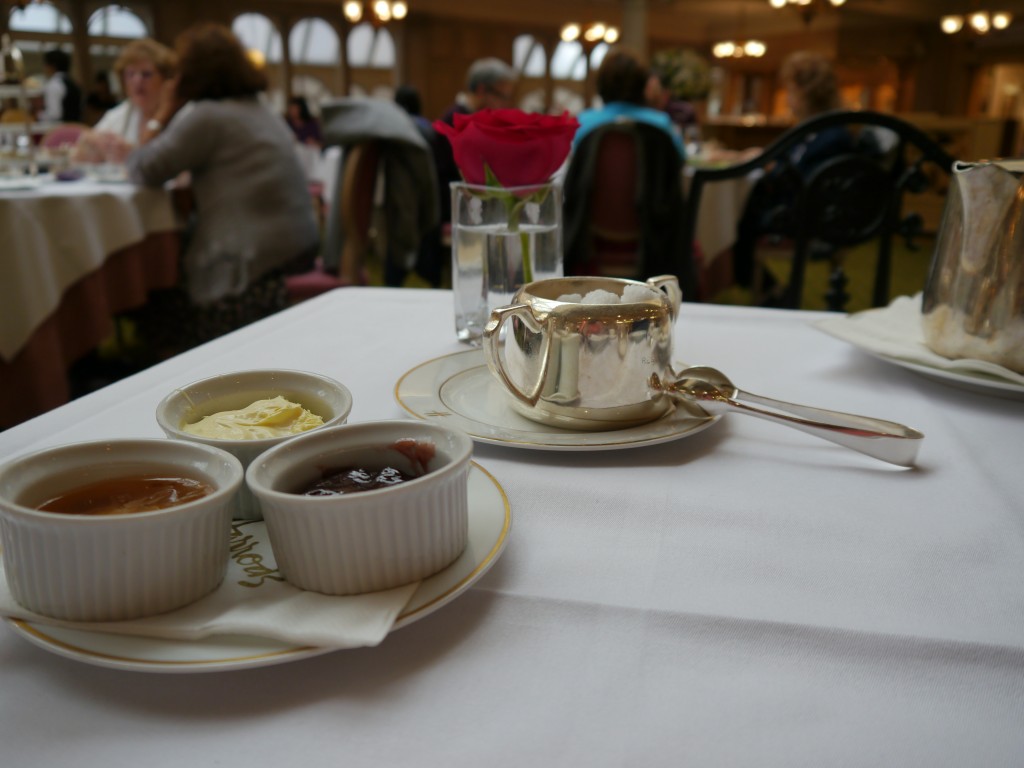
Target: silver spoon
point(712, 390)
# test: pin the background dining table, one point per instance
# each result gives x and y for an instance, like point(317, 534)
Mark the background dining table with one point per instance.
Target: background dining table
point(742, 595)
point(74, 254)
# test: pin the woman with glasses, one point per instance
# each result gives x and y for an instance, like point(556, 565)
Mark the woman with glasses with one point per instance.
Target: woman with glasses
point(144, 68)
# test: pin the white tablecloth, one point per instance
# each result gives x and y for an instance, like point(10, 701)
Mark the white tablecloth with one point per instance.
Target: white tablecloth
point(58, 232)
point(744, 596)
point(721, 206)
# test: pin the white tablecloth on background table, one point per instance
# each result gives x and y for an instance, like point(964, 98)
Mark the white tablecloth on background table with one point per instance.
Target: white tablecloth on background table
point(745, 596)
point(56, 233)
point(721, 207)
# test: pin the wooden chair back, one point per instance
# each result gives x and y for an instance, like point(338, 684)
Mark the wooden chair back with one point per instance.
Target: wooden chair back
point(356, 201)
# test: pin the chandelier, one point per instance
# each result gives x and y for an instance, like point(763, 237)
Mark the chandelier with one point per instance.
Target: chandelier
point(589, 35)
point(980, 21)
point(806, 8)
point(738, 49)
point(381, 11)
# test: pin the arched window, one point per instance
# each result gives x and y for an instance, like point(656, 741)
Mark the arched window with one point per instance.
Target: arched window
point(313, 41)
point(36, 28)
point(263, 42)
point(597, 56)
point(528, 56)
point(258, 33)
point(370, 48)
point(569, 61)
point(315, 52)
point(107, 26)
point(42, 18)
point(116, 21)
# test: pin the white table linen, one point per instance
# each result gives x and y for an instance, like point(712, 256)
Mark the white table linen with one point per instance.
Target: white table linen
point(721, 208)
point(58, 232)
point(745, 596)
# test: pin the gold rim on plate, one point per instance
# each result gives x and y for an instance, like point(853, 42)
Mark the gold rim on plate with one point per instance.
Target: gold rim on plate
point(457, 390)
point(490, 520)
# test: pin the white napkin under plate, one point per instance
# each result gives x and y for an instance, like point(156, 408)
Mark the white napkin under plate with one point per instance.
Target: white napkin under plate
point(895, 331)
point(254, 600)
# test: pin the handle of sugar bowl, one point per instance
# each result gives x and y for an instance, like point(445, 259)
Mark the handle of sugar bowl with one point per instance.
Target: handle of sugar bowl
point(669, 285)
point(495, 359)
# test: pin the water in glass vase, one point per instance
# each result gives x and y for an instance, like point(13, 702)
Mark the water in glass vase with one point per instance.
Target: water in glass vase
point(505, 251)
point(498, 252)
point(468, 285)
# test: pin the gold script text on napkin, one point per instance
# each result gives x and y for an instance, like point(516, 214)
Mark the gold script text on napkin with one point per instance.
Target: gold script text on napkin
point(276, 417)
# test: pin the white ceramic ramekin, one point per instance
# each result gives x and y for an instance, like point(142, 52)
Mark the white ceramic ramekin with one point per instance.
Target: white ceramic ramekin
point(114, 567)
point(370, 540)
point(327, 398)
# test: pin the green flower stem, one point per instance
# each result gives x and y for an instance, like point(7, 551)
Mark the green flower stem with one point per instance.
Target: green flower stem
point(513, 209)
point(524, 244)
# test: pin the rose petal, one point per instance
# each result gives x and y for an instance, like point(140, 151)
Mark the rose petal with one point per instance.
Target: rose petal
point(520, 148)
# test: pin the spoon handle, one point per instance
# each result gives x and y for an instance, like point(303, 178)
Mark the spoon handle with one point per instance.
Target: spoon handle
point(885, 440)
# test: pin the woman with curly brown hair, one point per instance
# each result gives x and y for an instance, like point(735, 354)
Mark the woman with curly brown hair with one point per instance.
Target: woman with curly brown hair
point(253, 218)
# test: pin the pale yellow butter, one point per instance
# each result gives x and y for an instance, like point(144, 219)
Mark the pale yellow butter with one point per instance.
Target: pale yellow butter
point(276, 417)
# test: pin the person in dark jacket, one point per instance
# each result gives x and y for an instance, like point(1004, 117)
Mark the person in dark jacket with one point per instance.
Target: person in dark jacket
point(62, 97)
point(811, 90)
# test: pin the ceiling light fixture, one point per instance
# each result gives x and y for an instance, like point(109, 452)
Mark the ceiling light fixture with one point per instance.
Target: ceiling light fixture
point(981, 22)
point(806, 8)
point(381, 11)
point(736, 49)
point(589, 35)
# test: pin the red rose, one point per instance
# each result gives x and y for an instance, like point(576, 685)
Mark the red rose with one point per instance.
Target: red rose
point(520, 148)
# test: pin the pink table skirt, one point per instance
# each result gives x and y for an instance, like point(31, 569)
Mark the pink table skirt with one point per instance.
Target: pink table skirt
point(35, 381)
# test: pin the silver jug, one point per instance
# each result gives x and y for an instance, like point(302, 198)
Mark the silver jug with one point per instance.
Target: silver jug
point(974, 297)
point(586, 366)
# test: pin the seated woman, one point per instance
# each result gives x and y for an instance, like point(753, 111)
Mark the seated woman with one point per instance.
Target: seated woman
point(624, 183)
point(622, 84)
point(305, 127)
point(143, 67)
point(811, 90)
point(253, 218)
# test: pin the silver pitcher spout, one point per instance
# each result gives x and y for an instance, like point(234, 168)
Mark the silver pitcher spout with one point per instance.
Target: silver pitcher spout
point(974, 297)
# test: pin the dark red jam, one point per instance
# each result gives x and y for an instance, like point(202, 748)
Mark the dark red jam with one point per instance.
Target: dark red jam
point(338, 482)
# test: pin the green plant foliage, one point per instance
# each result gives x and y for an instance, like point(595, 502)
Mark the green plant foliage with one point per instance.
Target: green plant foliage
point(684, 72)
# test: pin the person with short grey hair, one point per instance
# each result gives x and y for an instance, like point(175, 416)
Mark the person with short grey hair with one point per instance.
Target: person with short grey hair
point(487, 74)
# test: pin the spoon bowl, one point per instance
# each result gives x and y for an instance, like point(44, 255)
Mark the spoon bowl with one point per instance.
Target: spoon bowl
point(714, 392)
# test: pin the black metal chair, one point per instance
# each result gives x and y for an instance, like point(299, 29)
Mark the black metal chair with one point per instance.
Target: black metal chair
point(849, 199)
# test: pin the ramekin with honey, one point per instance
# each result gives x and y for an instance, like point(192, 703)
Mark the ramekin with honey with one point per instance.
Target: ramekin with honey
point(116, 529)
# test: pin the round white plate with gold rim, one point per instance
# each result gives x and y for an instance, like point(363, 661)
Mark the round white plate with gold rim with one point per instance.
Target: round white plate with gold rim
point(459, 391)
point(490, 519)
